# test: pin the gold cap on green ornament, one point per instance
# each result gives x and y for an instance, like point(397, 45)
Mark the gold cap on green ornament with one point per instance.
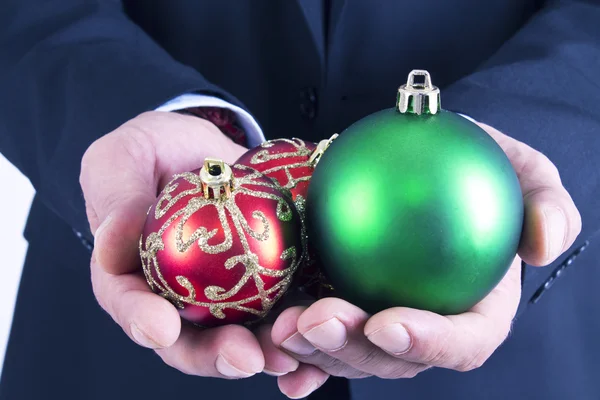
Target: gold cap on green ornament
point(418, 97)
point(217, 179)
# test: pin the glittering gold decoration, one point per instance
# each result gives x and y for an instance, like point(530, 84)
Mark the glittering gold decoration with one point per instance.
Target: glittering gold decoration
point(300, 151)
point(219, 296)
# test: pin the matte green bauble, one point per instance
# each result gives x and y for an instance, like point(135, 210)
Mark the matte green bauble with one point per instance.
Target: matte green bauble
point(415, 206)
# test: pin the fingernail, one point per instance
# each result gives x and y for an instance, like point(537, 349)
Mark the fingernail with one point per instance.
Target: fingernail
point(273, 373)
point(102, 227)
point(392, 338)
point(142, 338)
point(226, 369)
point(298, 345)
point(308, 391)
point(331, 335)
point(556, 226)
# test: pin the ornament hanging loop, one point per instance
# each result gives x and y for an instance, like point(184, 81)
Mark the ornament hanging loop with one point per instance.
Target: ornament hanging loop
point(217, 179)
point(418, 98)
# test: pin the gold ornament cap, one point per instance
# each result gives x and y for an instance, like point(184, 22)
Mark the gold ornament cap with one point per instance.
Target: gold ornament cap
point(418, 98)
point(320, 150)
point(217, 178)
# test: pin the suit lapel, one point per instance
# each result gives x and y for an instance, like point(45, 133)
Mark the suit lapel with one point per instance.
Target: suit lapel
point(335, 15)
point(314, 15)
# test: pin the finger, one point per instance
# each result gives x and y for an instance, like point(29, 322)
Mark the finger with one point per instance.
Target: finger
point(285, 335)
point(277, 362)
point(153, 322)
point(148, 319)
point(302, 382)
point(552, 221)
point(116, 240)
point(229, 351)
point(118, 194)
point(461, 342)
point(336, 328)
point(293, 297)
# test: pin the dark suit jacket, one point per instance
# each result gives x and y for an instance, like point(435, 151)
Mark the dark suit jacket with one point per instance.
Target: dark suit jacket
point(73, 70)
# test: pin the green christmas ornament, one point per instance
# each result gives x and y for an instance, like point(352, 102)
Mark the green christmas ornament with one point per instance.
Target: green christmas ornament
point(415, 206)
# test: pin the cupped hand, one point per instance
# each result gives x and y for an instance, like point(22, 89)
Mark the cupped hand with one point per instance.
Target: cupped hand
point(334, 337)
point(121, 175)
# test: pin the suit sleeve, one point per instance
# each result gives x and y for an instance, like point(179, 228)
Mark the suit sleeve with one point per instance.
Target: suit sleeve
point(543, 88)
point(70, 72)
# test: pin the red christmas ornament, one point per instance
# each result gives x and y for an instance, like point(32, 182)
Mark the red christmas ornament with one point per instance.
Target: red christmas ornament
point(291, 162)
point(222, 243)
point(285, 160)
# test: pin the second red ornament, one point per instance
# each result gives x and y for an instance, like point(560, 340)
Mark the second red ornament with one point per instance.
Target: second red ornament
point(291, 163)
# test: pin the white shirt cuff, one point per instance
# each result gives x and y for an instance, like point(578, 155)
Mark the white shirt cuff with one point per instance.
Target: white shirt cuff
point(253, 131)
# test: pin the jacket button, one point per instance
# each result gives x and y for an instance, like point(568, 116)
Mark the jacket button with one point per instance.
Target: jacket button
point(308, 103)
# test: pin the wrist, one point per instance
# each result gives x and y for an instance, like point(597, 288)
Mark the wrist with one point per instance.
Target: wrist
point(224, 119)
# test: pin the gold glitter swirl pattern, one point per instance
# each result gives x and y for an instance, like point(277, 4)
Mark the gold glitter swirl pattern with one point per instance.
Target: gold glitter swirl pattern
point(253, 270)
point(301, 150)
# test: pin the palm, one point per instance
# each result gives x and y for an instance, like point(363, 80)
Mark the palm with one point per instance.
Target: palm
point(121, 176)
point(335, 337)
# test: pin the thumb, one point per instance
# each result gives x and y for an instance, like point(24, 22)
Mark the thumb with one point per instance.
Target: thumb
point(116, 239)
point(118, 192)
point(121, 173)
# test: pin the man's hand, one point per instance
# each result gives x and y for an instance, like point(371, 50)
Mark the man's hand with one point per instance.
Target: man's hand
point(334, 337)
point(121, 175)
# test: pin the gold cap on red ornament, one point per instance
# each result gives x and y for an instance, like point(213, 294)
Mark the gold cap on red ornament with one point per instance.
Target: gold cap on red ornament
point(217, 179)
point(418, 98)
point(321, 147)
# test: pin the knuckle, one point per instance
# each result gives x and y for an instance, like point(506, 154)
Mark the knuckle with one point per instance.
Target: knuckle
point(436, 357)
point(147, 118)
point(474, 362)
point(577, 223)
point(538, 164)
point(470, 364)
point(98, 292)
point(87, 161)
point(233, 334)
point(438, 353)
point(134, 145)
point(92, 216)
point(353, 373)
point(519, 155)
point(412, 372)
point(504, 333)
point(545, 161)
point(101, 302)
point(100, 299)
point(334, 366)
point(484, 351)
point(437, 350)
point(400, 370)
point(367, 359)
point(182, 364)
point(147, 115)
